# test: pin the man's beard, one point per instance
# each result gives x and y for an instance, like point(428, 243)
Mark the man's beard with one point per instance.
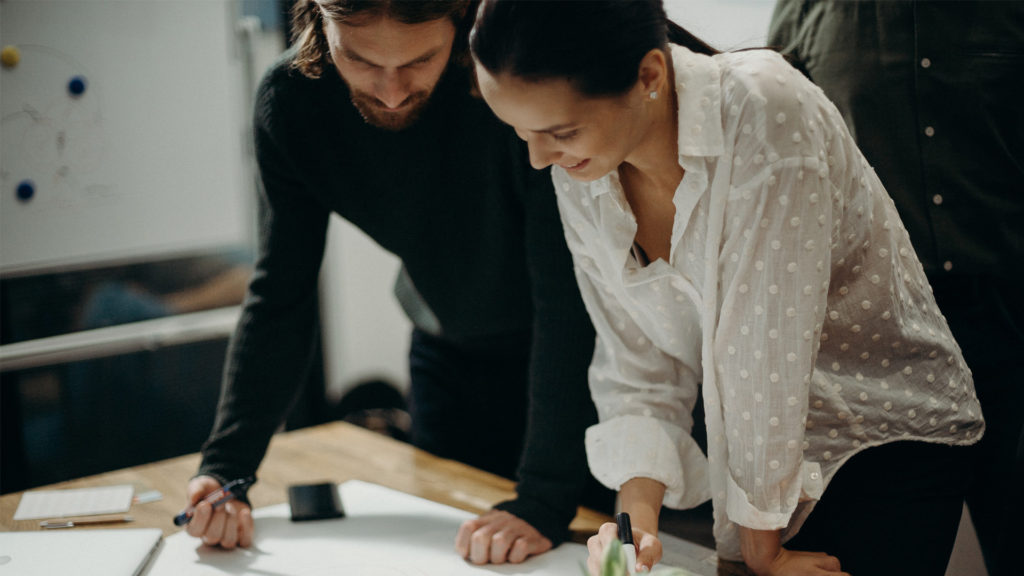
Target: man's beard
point(378, 115)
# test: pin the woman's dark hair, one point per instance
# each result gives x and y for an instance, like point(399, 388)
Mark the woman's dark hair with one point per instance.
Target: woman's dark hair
point(313, 53)
point(597, 45)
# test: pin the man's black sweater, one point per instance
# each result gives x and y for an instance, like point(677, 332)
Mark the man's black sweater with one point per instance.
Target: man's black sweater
point(476, 228)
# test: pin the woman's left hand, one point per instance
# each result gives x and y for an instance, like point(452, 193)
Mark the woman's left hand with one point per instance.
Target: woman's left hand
point(648, 548)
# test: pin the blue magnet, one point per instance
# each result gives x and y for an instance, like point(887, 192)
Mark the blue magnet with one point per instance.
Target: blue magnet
point(76, 86)
point(26, 190)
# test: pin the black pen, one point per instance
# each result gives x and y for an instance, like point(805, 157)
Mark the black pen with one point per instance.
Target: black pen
point(226, 493)
point(626, 537)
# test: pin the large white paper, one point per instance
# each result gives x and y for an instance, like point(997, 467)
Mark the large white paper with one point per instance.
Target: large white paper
point(77, 552)
point(384, 533)
point(75, 502)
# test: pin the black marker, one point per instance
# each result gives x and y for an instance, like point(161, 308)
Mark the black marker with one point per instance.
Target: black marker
point(224, 494)
point(626, 537)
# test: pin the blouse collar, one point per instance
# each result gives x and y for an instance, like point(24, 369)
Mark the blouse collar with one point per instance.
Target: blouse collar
point(699, 96)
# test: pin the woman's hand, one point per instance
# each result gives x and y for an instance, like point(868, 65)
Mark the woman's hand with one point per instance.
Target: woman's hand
point(648, 548)
point(641, 498)
point(765, 556)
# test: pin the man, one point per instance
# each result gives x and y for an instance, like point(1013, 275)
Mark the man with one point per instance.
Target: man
point(929, 90)
point(371, 116)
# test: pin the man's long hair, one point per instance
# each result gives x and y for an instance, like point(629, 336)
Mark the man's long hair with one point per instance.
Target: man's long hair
point(313, 53)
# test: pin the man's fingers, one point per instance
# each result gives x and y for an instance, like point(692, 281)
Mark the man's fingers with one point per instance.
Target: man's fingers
point(199, 487)
point(463, 538)
point(200, 520)
point(245, 526)
point(498, 537)
point(480, 545)
point(516, 543)
point(215, 531)
point(521, 550)
point(501, 544)
point(229, 537)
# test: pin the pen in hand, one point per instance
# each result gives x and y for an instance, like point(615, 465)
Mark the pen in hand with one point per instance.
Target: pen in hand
point(224, 494)
point(626, 537)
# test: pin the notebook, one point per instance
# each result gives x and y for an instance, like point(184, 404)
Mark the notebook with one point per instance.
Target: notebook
point(77, 551)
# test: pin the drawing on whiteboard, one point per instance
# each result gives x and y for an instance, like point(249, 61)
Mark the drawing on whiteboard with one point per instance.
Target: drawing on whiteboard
point(53, 130)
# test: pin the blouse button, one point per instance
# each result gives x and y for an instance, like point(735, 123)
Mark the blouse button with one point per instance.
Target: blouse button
point(926, 63)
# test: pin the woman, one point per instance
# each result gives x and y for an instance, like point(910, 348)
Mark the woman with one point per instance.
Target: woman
point(731, 242)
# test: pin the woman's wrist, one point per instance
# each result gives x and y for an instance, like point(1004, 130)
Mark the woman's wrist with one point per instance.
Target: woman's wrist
point(642, 498)
point(759, 548)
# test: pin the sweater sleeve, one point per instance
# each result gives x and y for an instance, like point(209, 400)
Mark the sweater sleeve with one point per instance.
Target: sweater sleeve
point(271, 350)
point(553, 469)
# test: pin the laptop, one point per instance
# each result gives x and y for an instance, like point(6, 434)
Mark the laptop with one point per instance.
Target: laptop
point(76, 551)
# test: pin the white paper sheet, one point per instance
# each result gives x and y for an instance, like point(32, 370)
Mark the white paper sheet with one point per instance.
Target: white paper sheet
point(77, 552)
point(384, 533)
point(75, 502)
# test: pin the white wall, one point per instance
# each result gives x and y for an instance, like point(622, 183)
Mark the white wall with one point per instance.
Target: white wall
point(724, 24)
point(365, 332)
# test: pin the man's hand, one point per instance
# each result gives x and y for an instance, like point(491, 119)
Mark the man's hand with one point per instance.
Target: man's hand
point(228, 526)
point(498, 537)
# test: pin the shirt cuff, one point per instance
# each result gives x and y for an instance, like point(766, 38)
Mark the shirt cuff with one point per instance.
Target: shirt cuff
point(628, 447)
point(809, 485)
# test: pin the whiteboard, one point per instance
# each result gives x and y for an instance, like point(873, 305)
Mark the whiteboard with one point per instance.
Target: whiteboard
point(148, 158)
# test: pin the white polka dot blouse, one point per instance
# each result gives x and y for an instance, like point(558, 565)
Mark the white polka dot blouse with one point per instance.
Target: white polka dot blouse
point(792, 299)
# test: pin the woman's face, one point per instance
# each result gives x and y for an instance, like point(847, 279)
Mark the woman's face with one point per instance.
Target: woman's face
point(587, 136)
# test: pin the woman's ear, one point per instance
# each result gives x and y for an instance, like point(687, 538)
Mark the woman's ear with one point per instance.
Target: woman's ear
point(653, 73)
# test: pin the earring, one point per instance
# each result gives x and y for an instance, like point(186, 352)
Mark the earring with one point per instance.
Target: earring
point(653, 95)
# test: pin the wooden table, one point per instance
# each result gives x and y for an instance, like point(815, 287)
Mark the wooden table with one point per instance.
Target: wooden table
point(332, 452)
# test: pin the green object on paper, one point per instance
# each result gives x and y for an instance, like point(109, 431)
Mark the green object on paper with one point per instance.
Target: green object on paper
point(614, 563)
